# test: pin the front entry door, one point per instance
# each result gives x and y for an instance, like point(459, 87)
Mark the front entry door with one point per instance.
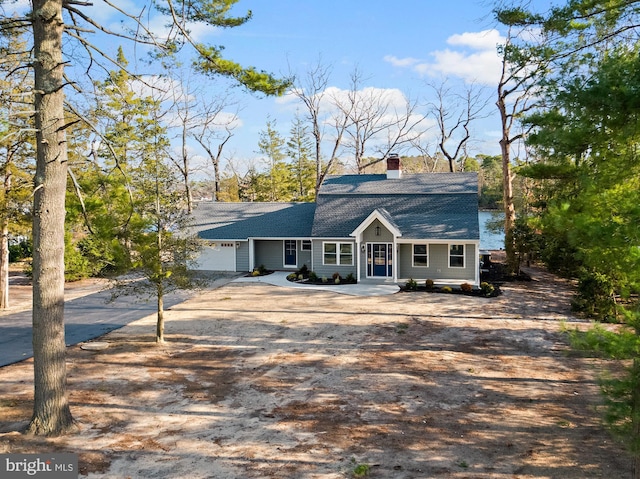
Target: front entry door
point(290, 253)
point(379, 259)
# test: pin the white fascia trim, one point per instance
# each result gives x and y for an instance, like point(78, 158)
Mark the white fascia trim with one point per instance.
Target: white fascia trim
point(438, 241)
point(375, 215)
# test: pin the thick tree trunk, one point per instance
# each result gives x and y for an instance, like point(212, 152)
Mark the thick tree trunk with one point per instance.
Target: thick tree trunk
point(51, 412)
point(509, 209)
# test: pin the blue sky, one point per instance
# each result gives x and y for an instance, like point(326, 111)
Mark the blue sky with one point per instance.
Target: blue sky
point(398, 47)
point(402, 45)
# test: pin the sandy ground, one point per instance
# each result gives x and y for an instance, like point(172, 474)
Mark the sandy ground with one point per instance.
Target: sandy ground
point(257, 381)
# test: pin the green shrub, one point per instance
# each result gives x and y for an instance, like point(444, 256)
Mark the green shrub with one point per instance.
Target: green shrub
point(292, 276)
point(595, 297)
point(350, 278)
point(486, 288)
point(411, 285)
point(336, 275)
point(466, 287)
point(324, 279)
point(304, 270)
point(19, 251)
point(313, 276)
point(429, 284)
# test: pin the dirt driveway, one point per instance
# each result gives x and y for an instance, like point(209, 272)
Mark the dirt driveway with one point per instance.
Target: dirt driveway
point(258, 381)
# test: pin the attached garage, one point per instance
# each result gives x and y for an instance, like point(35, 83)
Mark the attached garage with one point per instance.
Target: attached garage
point(218, 256)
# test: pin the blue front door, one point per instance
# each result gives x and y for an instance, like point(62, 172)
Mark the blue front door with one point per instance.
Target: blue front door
point(290, 252)
point(379, 259)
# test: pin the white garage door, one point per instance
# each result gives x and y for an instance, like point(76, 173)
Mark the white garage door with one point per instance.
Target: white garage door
point(218, 256)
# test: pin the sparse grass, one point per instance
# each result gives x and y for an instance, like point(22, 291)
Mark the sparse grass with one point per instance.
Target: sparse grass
point(402, 328)
point(361, 470)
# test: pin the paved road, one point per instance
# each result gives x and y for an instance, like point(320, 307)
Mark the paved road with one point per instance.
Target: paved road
point(86, 318)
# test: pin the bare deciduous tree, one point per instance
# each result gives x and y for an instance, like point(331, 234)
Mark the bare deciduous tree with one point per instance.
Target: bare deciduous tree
point(311, 90)
point(382, 117)
point(454, 113)
point(515, 97)
point(214, 127)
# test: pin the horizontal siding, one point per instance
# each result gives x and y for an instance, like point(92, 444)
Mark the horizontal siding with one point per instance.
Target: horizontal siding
point(438, 268)
point(269, 253)
point(242, 257)
point(327, 271)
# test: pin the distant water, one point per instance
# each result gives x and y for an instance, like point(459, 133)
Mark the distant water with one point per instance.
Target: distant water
point(490, 239)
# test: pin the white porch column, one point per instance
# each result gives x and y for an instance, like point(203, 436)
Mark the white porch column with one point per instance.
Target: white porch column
point(358, 256)
point(477, 262)
point(395, 260)
point(252, 255)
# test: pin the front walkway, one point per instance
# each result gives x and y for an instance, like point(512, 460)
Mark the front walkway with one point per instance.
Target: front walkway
point(364, 288)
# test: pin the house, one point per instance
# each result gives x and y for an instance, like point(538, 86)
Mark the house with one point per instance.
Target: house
point(390, 227)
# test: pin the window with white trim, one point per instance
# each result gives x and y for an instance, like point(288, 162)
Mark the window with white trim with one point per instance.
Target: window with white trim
point(420, 255)
point(337, 253)
point(306, 245)
point(456, 256)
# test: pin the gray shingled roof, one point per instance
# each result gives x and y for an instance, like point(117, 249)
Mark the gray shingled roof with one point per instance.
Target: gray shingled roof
point(442, 206)
point(420, 184)
point(239, 221)
point(426, 206)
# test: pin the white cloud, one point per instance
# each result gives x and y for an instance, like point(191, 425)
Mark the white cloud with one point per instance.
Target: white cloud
point(473, 57)
point(484, 40)
point(401, 62)
point(482, 67)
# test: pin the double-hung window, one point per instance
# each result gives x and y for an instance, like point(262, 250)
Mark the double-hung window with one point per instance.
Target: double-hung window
point(456, 256)
point(337, 253)
point(420, 255)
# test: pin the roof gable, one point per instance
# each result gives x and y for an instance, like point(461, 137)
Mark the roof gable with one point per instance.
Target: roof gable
point(381, 215)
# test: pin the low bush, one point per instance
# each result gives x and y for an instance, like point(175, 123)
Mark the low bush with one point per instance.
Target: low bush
point(595, 297)
point(447, 289)
point(20, 251)
point(411, 285)
point(486, 288)
point(429, 284)
point(466, 287)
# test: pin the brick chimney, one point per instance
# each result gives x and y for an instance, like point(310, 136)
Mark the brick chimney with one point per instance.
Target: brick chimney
point(393, 167)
